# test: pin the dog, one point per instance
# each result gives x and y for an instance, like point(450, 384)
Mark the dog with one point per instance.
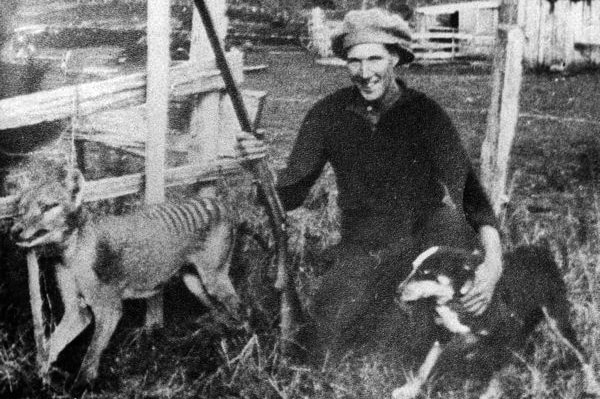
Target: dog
point(531, 287)
point(118, 257)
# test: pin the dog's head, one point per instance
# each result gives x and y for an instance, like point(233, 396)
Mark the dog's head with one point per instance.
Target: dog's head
point(440, 273)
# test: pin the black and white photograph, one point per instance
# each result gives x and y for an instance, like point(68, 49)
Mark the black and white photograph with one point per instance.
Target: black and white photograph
point(299, 199)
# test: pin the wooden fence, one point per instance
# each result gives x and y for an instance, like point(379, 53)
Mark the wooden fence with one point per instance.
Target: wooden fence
point(144, 97)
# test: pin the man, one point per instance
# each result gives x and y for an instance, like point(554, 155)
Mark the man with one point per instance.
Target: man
point(405, 183)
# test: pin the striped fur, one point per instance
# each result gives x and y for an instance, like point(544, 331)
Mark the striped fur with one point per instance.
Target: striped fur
point(189, 216)
point(131, 256)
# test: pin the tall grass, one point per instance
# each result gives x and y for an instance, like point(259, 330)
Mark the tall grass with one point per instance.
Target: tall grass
point(553, 202)
point(197, 357)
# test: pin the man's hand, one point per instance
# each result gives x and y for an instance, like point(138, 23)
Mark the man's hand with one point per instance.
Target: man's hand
point(478, 293)
point(250, 147)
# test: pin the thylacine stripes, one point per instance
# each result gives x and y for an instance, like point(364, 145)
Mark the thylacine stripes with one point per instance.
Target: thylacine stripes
point(189, 216)
point(118, 257)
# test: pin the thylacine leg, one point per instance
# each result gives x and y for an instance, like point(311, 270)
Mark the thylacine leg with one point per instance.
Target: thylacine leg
point(212, 261)
point(154, 312)
point(412, 388)
point(75, 318)
point(107, 313)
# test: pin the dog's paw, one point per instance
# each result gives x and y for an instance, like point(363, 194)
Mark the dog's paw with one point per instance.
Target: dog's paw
point(407, 391)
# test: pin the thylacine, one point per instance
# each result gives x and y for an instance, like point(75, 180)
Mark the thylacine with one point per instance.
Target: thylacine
point(120, 257)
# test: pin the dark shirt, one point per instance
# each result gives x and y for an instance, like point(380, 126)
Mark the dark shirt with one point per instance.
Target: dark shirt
point(397, 166)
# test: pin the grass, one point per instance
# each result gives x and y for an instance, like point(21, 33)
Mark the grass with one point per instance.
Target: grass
point(554, 165)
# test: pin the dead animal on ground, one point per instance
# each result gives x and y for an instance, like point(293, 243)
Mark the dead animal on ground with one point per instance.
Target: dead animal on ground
point(530, 288)
point(119, 257)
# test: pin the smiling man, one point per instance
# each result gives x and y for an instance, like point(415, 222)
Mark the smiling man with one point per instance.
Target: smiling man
point(404, 179)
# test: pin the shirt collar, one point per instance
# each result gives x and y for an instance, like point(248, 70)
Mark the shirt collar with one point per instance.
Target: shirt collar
point(366, 109)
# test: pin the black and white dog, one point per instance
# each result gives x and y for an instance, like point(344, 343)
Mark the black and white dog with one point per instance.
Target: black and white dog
point(531, 286)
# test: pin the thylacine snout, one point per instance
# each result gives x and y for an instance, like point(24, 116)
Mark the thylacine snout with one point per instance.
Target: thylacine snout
point(118, 257)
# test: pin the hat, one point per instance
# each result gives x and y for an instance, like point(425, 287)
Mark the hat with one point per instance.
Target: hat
point(374, 26)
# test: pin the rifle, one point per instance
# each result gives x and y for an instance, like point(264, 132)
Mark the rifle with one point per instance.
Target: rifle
point(290, 304)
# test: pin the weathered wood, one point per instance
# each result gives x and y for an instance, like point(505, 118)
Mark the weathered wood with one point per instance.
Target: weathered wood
point(113, 187)
point(502, 114)
point(126, 128)
point(123, 91)
point(159, 58)
point(552, 29)
point(36, 302)
point(205, 118)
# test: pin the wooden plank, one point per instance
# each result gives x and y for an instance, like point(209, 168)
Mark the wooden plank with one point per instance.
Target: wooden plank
point(441, 35)
point(36, 302)
point(205, 118)
point(431, 46)
point(88, 98)
point(113, 187)
point(127, 127)
point(438, 55)
point(157, 102)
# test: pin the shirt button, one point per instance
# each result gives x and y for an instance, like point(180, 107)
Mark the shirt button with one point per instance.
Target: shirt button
point(370, 108)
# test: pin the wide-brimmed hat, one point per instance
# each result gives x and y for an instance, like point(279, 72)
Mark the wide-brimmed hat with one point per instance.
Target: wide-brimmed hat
point(374, 26)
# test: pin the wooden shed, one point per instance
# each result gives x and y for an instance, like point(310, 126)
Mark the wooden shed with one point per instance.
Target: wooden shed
point(561, 32)
point(470, 26)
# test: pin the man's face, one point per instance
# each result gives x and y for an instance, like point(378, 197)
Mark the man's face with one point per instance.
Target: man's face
point(371, 68)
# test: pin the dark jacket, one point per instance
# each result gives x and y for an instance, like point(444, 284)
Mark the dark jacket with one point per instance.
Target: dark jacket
point(396, 169)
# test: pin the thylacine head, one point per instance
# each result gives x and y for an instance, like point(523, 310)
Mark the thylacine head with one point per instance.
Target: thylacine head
point(48, 212)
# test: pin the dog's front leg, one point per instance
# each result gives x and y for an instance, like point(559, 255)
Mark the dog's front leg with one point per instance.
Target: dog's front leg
point(494, 388)
point(412, 387)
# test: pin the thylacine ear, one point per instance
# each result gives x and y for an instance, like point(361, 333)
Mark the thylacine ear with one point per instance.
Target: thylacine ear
point(74, 182)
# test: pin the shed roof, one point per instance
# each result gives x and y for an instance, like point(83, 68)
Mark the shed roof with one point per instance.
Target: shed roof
point(453, 7)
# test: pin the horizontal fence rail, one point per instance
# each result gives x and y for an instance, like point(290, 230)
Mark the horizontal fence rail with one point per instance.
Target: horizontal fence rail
point(114, 187)
point(87, 98)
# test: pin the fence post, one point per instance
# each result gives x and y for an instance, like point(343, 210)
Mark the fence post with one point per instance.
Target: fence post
point(204, 122)
point(157, 97)
point(157, 108)
point(504, 106)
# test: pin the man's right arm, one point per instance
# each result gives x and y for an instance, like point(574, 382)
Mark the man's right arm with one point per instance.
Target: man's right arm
point(305, 163)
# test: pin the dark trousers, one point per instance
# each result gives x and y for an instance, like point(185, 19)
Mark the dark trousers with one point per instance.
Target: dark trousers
point(354, 305)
